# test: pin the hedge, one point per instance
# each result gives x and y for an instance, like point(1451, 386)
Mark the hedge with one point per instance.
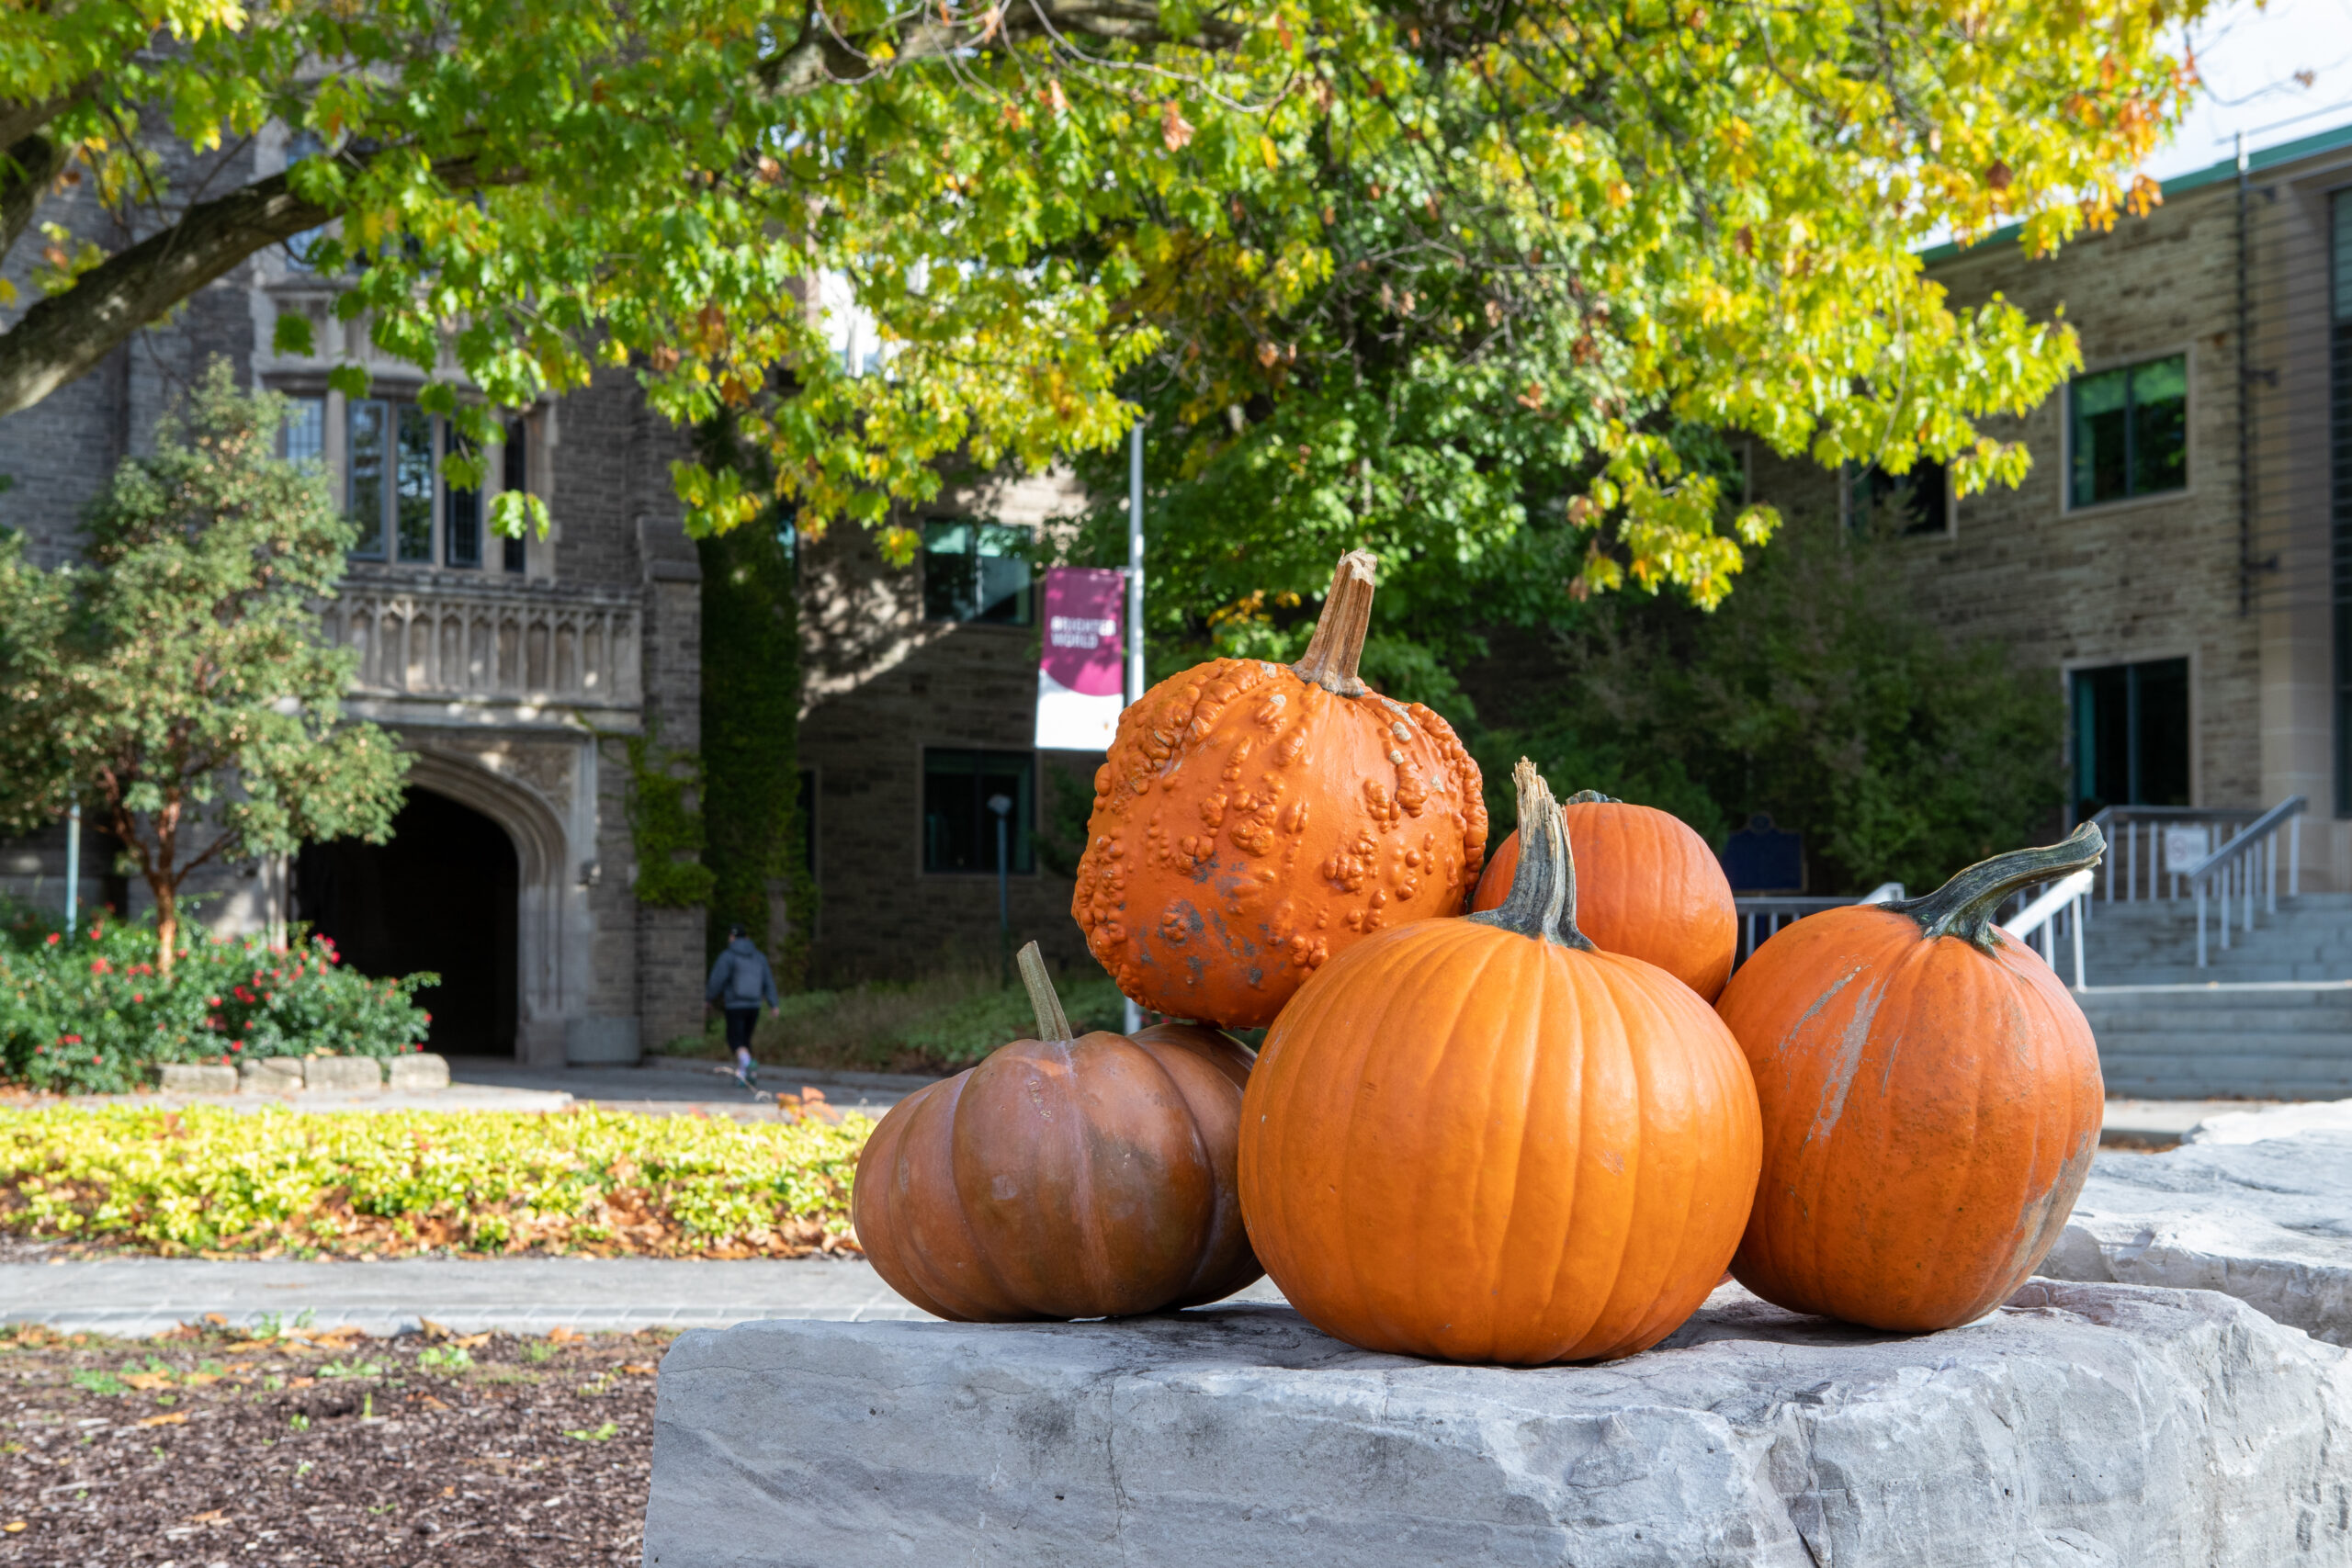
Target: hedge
point(272, 1182)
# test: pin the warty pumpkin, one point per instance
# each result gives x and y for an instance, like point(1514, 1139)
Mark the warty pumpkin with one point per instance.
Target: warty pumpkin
point(1063, 1178)
point(1484, 1139)
point(1253, 819)
point(1932, 1100)
point(1647, 886)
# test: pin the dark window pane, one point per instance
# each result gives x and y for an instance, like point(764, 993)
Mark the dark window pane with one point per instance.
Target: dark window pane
point(2161, 746)
point(305, 436)
point(461, 518)
point(2131, 736)
point(368, 466)
point(2101, 418)
point(974, 570)
point(415, 517)
point(2160, 426)
point(960, 831)
point(1915, 502)
point(515, 475)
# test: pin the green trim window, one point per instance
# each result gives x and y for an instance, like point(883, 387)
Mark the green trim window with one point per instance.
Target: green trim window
point(959, 824)
point(976, 570)
point(2131, 736)
point(392, 486)
point(2128, 431)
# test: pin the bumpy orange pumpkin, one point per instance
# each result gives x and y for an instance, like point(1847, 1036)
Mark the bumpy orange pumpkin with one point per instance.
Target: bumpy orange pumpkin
point(1061, 1178)
point(1646, 886)
point(1486, 1140)
point(1253, 819)
point(1932, 1100)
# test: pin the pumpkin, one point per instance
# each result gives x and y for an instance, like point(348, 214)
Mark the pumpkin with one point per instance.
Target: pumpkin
point(1063, 1178)
point(1484, 1139)
point(1648, 887)
point(1253, 819)
point(1932, 1100)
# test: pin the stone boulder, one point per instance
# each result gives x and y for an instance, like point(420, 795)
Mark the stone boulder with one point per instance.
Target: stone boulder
point(421, 1070)
point(342, 1075)
point(2079, 1424)
point(196, 1078)
point(2255, 1205)
point(270, 1074)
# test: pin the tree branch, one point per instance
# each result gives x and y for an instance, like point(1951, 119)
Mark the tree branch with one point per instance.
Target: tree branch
point(31, 164)
point(64, 335)
point(823, 57)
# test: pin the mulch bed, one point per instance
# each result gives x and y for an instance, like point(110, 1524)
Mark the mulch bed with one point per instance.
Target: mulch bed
point(325, 1449)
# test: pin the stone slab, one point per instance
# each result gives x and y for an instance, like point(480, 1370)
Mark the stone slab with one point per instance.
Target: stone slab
point(342, 1075)
point(196, 1078)
point(412, 1074)
point(2080, 1424)
point(2257, 1205)
point(270, 1074)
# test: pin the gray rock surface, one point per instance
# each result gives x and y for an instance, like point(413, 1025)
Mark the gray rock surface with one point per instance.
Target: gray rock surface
point(196, 1078)
point(270, 1074)
point(2265, 1218)
point(2080, 1424)
point(423, 1070)
point(342, 1075)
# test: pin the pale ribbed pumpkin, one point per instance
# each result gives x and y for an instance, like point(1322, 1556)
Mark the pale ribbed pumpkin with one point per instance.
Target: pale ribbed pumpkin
point(1253, 819)
point(1932, 1100)
point(1646, 886)
point(1484, 1140)
point(1063, 1178)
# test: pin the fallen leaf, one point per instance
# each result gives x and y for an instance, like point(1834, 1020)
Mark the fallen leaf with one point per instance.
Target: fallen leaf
point(639, 1368)
point(471, 1341)
point(214, 1517)
point(301, 1382)
point(144, 1381)
point(218, 1320)
point(246, 1347)
point(13, 1526)
point(197, 1380)
point(431, 1329)
point(448, 1492)
point(176, 1418)
point(560, 1334)
point(431, 1404)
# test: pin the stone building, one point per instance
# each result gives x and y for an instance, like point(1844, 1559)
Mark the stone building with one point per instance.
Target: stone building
point(509, 669)
point(2180, 556)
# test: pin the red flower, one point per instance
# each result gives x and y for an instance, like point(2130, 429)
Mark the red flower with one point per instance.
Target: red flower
point(212, 1001)
point(236, 1045)
point(52, 939)
point(137, 996)
point(100, 966)
point(71, 1039)
point(428, 1018)
point(40, 1050)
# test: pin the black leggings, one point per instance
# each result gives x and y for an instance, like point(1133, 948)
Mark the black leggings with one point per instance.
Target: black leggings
point(738, 1027)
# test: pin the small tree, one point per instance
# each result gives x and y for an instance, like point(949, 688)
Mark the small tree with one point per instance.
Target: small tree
point(175, 681)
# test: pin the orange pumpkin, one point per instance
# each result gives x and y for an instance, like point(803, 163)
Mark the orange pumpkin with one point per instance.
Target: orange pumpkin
point(1487, 1139)
point(1931, 1100)
point(1253, 819)
point(1061, 1178)
point(1648, 887)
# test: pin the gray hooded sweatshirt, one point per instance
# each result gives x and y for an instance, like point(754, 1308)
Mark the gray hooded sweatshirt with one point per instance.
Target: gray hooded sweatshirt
point(742, 978)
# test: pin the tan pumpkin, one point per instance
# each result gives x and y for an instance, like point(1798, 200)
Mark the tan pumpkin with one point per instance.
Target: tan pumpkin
point(1063, 1178)
point(1486, 1140)
point(1253, 819)
point(1647, 886)
point(1931, 1101)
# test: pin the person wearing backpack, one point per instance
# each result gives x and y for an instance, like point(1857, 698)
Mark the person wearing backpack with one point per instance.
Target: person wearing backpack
point(740, 982)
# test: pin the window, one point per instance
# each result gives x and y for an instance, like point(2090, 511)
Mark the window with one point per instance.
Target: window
point(976, 570)
point(413, 483)
point(2128, 431)
point(461, 514)
point(301, 248)
point(1916, 502)
point(2340, 486)
point(304, 437)
point(516, 476)
point(366, 457)
point(959, 827)
point(2131, 736)
point(393, 492)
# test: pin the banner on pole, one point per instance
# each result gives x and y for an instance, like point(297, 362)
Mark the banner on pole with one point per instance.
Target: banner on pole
point(1080, 662)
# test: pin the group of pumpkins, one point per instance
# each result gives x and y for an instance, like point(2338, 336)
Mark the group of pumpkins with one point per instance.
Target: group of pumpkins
point(1520, 1117)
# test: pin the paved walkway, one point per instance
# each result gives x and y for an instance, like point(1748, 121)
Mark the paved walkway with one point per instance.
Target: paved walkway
point(135, 1297)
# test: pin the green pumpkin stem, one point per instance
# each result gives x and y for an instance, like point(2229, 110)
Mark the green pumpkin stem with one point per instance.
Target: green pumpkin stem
point(1053, 1024)
point(1543, 899)
point(1338, 644)
point(1964, 906)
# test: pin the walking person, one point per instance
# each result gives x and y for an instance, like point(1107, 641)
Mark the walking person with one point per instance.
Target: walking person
point(740, 982)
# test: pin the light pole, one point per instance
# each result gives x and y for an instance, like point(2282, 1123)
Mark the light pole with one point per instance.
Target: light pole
point(1002, 805)
point(73, 869)
point(1133, 1019)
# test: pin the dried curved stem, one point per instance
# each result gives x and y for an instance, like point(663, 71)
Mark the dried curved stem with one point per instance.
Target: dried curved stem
point(1053, 1024)
point(1964, 906)
point(1338, 646)
point(1543, 899)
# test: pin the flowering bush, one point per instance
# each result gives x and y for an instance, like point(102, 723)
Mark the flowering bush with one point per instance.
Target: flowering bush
point(272, 1181)
point(84, 1011)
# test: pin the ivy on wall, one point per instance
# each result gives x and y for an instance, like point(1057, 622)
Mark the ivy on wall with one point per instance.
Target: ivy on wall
point(751, 725)
point(666, 833)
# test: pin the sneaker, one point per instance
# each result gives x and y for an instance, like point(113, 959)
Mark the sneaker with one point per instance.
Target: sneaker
point(748, 1077)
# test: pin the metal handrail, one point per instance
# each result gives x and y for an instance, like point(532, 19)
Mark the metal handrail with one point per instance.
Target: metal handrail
point(2249, 856)
point(2069, 895)
point(1770, 908)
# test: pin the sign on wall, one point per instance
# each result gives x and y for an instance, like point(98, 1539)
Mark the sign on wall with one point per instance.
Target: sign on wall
point(1079, 659)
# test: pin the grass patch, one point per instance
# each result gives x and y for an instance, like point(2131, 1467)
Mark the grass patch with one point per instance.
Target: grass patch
point(941, 1023)
point(280, 1182)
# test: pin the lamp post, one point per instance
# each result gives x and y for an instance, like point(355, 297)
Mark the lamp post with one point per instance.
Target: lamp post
point(1002, 805)
point(73, 869)
point(1133, 1019)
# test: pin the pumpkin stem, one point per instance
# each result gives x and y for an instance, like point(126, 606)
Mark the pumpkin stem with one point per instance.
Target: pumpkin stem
point(1964, 906)
point(1591, 797)
point(1053, 1024)
point(1543, 899)
point(1338, 644)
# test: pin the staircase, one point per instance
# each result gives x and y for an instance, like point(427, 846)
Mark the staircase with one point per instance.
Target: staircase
point(2270, 1019)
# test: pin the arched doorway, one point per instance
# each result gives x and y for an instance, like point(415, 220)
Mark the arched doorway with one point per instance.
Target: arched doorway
point(440, 896)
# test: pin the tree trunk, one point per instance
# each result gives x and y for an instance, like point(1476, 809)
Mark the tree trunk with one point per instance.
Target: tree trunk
point(167, 924)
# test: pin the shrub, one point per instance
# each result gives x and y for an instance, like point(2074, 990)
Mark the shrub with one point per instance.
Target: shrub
point(84, 1011)
point(272, 1181)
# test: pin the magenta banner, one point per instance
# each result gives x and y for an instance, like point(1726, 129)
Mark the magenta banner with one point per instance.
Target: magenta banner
point(1080, 659)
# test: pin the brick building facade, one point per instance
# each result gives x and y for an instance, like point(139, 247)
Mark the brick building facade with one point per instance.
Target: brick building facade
point(2177, 557)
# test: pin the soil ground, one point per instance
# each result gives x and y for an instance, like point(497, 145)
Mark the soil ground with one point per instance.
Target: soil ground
point(325, 1448)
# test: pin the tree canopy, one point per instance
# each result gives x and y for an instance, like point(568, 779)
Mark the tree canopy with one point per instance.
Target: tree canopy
point(176, 680)
point(1381, 272)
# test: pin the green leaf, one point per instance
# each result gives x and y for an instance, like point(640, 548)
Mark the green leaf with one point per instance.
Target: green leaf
point(292, 335)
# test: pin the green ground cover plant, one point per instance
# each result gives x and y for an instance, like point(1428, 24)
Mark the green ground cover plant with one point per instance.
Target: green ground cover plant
point(274, 1182)
point(84, 1012)
point(941, 1023)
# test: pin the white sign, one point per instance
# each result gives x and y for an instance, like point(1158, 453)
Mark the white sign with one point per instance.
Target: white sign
point(2184, 847)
